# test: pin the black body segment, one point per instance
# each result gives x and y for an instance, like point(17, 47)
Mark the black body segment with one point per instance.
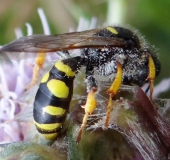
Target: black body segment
point(50, 109)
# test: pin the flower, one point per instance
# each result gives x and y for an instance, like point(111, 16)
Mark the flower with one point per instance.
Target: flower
point(15, 76)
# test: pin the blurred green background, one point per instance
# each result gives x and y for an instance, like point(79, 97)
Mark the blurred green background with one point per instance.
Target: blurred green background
point(151, 18)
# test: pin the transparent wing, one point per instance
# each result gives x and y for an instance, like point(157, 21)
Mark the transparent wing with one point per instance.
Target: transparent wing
point(60, 42)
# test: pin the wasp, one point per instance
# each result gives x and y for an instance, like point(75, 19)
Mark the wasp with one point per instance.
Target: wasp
point(111, 50)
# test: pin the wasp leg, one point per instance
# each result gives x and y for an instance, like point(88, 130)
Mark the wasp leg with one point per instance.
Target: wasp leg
point(90, 105)
point(151, 75)
point(39, 61)
point(113, 90)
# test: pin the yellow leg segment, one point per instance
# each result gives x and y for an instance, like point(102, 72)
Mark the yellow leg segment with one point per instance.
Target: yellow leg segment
point(151, 76)
point(89, 108)
point(113, 90)
point(39, 61)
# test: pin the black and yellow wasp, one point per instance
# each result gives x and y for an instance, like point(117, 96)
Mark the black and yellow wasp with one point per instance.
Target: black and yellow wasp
point(111, 50)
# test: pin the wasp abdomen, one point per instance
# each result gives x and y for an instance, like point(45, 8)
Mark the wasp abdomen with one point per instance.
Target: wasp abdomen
point(53, 98)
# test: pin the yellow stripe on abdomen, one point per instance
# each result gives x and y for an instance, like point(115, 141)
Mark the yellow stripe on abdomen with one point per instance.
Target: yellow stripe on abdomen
point(55, 111)
point(49, 136)
point(45, 78)
point(64, 68)
point(48, 127)
point(58, 88)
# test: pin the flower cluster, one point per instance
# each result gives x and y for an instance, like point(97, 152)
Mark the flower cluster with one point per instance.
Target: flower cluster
point(14, 77)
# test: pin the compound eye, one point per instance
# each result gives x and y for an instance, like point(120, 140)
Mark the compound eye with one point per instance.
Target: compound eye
point(157, 66)
point(143, 74)
point(130, 44)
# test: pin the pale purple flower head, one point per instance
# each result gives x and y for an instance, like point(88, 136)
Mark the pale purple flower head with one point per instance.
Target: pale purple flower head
point(14, 77)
